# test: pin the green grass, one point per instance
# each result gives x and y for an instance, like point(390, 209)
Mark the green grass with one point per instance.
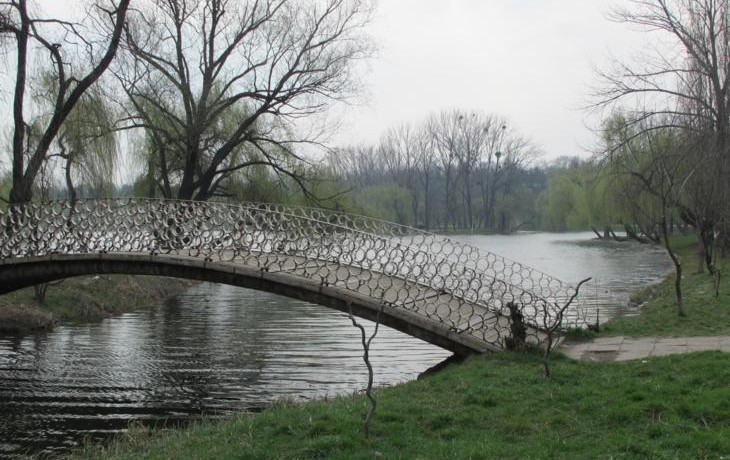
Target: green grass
point(495, 406)
point(706, 315)
point(500, 406)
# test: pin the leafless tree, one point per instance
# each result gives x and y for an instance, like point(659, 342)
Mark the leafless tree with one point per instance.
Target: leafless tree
point(478, 148)
point(61, 48)
point(366, 342)
point(552, 317)
point(399, 152)
point(444, 131)
point(456, 168)
point(460, 138)
point(516, 153)
point(356, 164)
point(472, 137)
point(425, 150)
point(683, 83)
point(219, 85)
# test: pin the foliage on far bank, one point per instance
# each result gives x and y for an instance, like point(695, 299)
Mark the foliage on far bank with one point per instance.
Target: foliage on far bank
point(23, 318)
point(496, 406)
point(88, 298)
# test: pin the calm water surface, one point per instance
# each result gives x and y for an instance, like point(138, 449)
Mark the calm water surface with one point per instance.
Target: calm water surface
point(218, 349)
point(617, 269)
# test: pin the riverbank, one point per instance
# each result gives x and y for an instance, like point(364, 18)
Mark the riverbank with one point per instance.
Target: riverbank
point(707, 315)
point(496, 406)
point(500, 406)
point(84, 299)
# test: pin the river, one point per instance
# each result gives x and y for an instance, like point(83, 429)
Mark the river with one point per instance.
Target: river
point(218, 349)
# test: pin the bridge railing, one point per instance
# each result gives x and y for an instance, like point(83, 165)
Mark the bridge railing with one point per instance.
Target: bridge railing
point(453, 283)
point(515, 275)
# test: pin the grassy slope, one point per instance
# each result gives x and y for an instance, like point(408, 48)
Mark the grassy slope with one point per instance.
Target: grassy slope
point(501, 407)
point(706, 315)
point(489, 407)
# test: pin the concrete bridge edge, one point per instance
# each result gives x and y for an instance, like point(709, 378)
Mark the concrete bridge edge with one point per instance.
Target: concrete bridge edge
point(16, 274)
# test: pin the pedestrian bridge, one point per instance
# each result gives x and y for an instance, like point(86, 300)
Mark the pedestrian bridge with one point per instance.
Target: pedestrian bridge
point(448, 293)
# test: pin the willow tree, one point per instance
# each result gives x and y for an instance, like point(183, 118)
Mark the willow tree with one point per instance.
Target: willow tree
point(60, 48)
point(220, 85)
point(88, 146)
point(653, 159)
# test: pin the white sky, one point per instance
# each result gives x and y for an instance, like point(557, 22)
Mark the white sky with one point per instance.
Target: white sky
point(529, 60)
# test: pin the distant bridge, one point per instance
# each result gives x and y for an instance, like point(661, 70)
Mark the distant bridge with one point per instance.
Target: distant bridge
point(448, 293)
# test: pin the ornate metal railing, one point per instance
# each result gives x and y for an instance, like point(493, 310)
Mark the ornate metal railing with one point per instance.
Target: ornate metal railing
point(470, 290)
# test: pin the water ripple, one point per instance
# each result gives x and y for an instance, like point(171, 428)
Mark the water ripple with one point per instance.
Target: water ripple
point(216, 350)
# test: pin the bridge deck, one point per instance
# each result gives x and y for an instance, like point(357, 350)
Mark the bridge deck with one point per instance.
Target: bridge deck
point(454, 324)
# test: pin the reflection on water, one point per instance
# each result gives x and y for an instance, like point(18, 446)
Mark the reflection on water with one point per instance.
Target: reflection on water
point(216, 350)
point(219, 349)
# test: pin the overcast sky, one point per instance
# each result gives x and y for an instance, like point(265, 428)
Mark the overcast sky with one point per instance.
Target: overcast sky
point(529, 60)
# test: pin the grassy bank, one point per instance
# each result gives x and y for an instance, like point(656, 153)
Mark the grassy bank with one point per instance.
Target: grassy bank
point(488, 407)
point(500, 406)
point(88, 298)
point(706, 315)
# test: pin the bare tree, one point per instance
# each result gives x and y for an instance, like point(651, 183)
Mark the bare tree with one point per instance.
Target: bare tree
point(516, 154)
point(471, 142)
point(60, 45)
point(456, 168)
point(398, 150)
point(552, 318)
point(357, 165)
point(444, 131)
point(366, 342)
point(219, 85)
point(683, 85)
point(477, 148)
point(425, 151)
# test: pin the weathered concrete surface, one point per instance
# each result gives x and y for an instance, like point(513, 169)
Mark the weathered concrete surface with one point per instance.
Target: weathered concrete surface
point(630, 348)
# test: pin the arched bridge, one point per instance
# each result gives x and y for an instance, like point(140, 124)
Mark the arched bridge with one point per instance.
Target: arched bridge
point(448, 293)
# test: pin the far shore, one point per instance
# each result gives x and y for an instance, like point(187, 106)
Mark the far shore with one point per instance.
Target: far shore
point(84, 299)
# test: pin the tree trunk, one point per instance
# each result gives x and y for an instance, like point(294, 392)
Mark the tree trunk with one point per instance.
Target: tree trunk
point(20, 192)
point(427, 203)
point(701, 255)
point(677, 269)
point(72, 197)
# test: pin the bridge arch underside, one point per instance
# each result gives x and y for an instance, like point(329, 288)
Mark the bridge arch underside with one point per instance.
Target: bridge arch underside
point(17, 274)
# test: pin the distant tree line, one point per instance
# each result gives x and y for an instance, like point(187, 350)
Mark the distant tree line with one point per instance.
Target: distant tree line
point(455, 170)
